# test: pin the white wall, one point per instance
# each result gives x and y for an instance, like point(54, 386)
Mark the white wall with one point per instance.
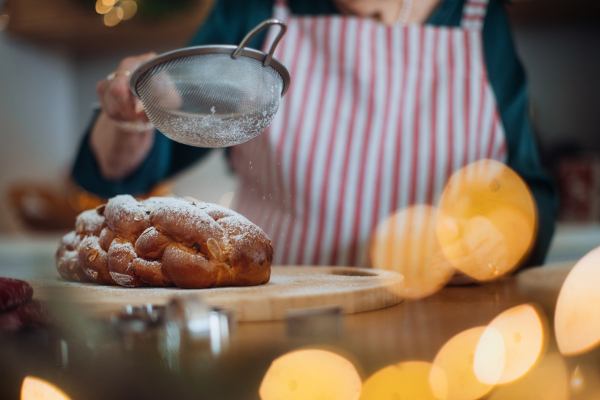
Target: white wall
point(37, 116)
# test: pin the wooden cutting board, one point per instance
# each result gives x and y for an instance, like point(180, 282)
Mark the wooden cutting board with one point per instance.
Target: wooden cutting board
point(353, 289)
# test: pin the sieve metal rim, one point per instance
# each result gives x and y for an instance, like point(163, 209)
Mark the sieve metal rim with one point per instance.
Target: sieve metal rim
point(212, 49)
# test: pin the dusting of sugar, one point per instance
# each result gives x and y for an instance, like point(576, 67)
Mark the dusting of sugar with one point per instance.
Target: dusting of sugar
point(91, 242)
point(214, 130)
point(210, 100)
point(154, 202)
point(123, 246)
point(121, 252)
point(68, 243)
point(202, 220)
point(181, 217)
point(121, 210)
point(216, 211)
point(241, 231)
point(89, 221)
point(69, 237)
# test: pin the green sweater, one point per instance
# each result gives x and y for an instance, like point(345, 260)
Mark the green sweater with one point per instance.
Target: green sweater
point(230, 20)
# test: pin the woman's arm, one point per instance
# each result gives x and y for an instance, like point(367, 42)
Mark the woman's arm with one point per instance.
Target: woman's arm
point(120, 148)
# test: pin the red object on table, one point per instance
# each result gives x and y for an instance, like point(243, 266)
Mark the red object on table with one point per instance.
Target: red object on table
point(579, 188)
point(13, 293)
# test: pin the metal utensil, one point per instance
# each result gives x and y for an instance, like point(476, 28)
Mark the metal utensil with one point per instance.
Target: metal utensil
point(213, 96)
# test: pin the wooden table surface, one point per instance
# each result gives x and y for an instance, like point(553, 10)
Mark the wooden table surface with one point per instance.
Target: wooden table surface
point(411, 330)
point(414, 330)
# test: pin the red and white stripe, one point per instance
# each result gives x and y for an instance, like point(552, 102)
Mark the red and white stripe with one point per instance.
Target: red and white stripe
point(377, 118)
point(474, 14)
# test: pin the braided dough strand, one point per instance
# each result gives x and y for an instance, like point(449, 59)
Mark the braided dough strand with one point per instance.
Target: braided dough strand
point(165, 241)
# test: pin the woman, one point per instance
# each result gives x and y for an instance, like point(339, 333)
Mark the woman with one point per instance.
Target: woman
point(388, 98)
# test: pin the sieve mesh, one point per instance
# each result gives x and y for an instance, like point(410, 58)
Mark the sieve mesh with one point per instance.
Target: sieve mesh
point(210, 100)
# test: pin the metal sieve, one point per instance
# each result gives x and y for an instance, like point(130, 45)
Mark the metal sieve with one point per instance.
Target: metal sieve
point(215, 95)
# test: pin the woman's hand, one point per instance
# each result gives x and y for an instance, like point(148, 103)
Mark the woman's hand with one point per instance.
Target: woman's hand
point(122, 135)
point(114, 94)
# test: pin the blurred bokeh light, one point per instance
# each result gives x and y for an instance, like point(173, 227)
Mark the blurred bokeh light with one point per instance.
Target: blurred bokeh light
point(406, 242)
point(129, 9)
point(548, 381)
point(521, 332)
point(487, 220)
point(456, 360)
point(311, 374)
point(411, 380)
point(577, 382)
point(115, 11)
point(113, 16)
point(38, 389)
point(576, 321)
point(102, 7)
point(490, 356)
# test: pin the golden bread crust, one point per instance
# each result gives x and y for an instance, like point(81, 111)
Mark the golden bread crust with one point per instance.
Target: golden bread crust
point(165, 241)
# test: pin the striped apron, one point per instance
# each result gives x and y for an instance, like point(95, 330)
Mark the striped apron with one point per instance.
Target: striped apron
point(377, 119)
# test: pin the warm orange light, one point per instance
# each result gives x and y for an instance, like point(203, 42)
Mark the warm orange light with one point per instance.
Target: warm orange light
point(577, 382)
point(576, 321)
point(109, 3)
point(490, 356)
point(129, 9)
point(113, 17)
point(487, 220)
point(522, 330)
point(311, 374)
point(548, 381)
point(406, 242)
point(102, 8)
point(456, 359)
point(407, 381)
point(38, 389)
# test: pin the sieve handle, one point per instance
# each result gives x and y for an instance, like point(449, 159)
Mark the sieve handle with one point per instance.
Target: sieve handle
point(254, 32)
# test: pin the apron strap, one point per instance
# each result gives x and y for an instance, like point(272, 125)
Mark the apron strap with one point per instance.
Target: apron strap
point(473, 14)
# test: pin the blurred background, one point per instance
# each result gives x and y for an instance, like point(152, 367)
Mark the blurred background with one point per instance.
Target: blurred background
point(52, 54)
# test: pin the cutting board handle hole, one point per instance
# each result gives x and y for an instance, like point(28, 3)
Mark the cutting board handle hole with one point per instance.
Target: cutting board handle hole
point(352, 272)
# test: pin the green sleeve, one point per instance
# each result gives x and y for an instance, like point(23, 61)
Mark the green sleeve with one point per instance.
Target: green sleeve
point(86, 172)
point(508, 81)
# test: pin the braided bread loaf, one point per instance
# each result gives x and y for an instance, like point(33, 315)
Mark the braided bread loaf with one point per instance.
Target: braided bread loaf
point(165, 241)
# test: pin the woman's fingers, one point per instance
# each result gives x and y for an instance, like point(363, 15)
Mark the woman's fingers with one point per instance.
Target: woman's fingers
point(115, 96)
